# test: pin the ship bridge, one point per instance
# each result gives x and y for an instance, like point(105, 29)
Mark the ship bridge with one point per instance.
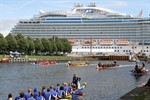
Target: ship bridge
point(92, 9)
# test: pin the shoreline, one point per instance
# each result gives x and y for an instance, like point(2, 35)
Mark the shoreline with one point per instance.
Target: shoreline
point(63, 58)
point(138, 93)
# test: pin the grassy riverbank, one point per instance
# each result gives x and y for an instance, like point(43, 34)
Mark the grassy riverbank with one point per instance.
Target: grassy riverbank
point(144, 96)
point(40, 57)
point(1, 56)
point(52, 57)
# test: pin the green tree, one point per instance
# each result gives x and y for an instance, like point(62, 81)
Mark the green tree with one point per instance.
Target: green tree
point(18, 36)
point(3, 43)
point(59, 45)
point(53, 45)
point(22, 43)
point(31, 46)
point(46, 45)
point(38, 46)
point(12, 43)
point(67, 46)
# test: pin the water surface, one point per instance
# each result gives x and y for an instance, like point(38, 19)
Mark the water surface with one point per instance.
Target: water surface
point(108, 84)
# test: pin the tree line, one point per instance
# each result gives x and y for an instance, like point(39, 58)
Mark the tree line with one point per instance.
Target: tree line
point(27, 45)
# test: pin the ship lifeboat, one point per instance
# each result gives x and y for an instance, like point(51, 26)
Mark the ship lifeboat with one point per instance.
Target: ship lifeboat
point(89, 42)
point(122, 42)
point(106, 42)
point(73, 41)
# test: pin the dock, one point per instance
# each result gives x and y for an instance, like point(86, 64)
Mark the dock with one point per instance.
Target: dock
point(110, 57)
point(18, 60)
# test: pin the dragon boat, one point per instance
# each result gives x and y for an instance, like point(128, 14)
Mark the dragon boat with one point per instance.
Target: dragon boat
point(77, 64)
point(105, 66)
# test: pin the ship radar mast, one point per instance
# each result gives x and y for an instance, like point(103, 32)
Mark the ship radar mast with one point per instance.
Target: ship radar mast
point(78, 5)
point(91, 5)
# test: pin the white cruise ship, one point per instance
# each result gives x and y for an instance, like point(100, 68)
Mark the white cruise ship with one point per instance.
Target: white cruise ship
point(91, 30)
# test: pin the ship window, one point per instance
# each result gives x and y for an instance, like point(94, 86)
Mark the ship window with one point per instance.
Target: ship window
point(115, 50)
point(126, 50)
point(123, 50)
point(98, 47)
point(147, 47)
point(147, 50)
point(82, 47)
point(118, 50)
point(112, 47)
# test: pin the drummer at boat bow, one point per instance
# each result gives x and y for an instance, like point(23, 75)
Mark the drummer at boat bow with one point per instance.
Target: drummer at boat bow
point(115, 63)
point(99, 64)
point(75, 80)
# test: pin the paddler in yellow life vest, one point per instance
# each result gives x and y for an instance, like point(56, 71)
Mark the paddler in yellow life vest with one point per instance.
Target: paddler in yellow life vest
point(143, 69)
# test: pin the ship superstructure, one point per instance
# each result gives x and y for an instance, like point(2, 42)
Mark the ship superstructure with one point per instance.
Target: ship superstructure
point(91, 29)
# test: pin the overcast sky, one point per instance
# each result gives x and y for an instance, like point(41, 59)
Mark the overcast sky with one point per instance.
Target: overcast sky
point(11, 11)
